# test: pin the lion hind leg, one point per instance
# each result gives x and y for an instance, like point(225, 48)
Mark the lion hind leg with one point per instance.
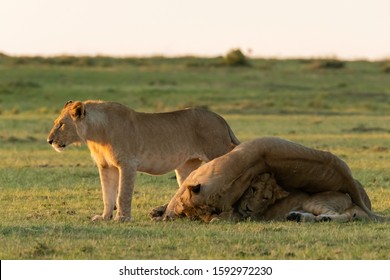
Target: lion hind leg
point(355, 190)
point(336, 217)
point(185, 169)
point(351, 214)
point(300, 216)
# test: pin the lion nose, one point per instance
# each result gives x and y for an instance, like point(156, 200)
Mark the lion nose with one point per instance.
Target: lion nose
point(50, 141)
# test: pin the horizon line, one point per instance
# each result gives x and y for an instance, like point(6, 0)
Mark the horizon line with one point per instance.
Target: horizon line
point(191, 55)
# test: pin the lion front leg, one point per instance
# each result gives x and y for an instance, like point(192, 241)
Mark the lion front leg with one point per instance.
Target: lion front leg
point(185, 169)
point(109, 178)
point(125, 194)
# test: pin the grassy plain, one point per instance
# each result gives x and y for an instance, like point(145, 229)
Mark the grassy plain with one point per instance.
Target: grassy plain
point(47, 198)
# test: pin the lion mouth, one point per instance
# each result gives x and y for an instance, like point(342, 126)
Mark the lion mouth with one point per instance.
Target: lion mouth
point(58, 148)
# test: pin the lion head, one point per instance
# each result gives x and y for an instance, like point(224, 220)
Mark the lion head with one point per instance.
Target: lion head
point(216, 185)
point(64, 131)
point(262, 192)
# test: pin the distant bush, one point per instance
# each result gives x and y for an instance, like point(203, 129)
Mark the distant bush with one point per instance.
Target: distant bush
point(386, 66)
point(327, 64)
point(235, 58)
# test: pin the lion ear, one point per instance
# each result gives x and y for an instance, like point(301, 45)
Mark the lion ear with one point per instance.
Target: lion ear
point(67, 103)
point(77, 112)
point(195, 189)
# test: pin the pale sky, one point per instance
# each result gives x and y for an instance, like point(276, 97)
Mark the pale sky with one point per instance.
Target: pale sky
point(270, 28)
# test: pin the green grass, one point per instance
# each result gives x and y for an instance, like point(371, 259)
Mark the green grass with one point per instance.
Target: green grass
point(47, 198)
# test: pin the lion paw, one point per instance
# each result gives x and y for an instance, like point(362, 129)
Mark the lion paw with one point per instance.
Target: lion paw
point(216, 219)
point(294, 216)
point(324, 219)
point(168, 217)
point(122, 219)
point(157, 213)
point(98, 218)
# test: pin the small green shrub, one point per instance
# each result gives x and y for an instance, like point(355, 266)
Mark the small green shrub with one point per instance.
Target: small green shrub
point(386, 67)
point(235, 58)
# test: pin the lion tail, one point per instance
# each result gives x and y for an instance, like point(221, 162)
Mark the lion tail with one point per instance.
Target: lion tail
point(379, 218)
point(234, 140)
point(356, 197)
point(233, 137)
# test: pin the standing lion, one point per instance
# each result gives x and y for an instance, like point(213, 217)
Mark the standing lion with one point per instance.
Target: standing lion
point(123, 142)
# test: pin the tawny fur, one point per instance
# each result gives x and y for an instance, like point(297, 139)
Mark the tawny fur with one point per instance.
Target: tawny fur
point(123, 141)
point(265, 200)
point(220, 183)
point(324, 206)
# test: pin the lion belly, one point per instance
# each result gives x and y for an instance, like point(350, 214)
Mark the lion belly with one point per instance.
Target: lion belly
point(159, 167)
point(160, 163)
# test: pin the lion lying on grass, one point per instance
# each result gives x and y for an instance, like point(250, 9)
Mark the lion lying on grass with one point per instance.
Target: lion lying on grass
point(123, 141)
point(265, 200)
point(311, 181)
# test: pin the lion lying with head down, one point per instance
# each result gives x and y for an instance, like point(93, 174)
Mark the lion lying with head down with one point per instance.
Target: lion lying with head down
point(306, 184)
point(123, 141)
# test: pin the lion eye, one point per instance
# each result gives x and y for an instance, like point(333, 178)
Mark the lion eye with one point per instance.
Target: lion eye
point(196, 189)
point(60, 125)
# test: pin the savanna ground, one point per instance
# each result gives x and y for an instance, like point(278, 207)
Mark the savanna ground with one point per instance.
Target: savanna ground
point(47, 198)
